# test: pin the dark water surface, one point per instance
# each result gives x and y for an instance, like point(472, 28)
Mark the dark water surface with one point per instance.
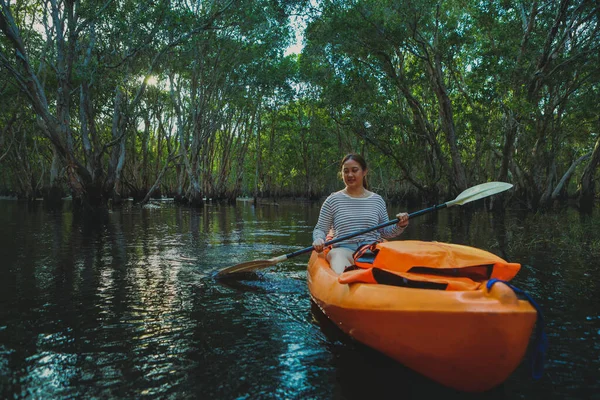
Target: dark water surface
point(126, 306)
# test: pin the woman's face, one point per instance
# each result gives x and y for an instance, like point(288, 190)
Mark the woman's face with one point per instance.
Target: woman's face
point(353, 174)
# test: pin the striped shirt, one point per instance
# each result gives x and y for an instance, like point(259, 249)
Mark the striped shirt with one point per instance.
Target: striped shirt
point(344, 215)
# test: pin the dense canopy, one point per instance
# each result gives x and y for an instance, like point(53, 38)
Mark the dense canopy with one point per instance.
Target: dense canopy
point(119, 98)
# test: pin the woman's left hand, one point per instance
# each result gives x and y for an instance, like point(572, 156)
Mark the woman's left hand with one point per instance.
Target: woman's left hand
point(402, 219)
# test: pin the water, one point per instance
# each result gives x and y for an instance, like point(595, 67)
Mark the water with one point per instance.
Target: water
point(127, 306)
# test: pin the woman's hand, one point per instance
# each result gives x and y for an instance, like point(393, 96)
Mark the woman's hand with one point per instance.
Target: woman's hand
point(402, 219)
point(318, 245)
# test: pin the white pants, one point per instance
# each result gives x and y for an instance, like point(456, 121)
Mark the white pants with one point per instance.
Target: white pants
point(339, 258)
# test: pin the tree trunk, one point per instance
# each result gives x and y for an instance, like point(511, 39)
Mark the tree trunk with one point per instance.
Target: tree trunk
point(257, 171)
point(193, 196)
point(53, 195)
point(560, 187)
point(117, 156)
point(145, 167)
point(459, 181)
point(587, 185)
point(509, 146)
point(158, 178)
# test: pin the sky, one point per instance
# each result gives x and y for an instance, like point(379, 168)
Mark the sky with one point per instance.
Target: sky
point(299, 24)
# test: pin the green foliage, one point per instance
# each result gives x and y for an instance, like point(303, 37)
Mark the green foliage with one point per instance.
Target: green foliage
point(423, 89)
point(499, 73)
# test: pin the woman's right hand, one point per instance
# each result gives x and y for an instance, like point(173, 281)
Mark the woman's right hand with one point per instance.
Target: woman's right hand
point(318, 245)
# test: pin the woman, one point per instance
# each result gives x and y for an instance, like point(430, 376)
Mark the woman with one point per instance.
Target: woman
point(350, 210)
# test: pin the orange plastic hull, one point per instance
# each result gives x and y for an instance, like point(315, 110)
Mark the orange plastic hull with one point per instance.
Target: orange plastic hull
point(467, 340)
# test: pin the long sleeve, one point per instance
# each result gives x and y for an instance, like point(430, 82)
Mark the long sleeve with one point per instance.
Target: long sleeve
point(325, 222)
point(389, 231)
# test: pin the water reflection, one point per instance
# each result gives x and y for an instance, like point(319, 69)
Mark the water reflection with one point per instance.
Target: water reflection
point(126, 305)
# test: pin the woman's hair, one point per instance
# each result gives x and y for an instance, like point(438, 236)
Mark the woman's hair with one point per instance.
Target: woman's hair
point(360, 160)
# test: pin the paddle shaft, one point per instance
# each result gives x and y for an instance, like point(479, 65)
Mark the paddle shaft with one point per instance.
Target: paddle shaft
point(471, 194)
point(373, 228)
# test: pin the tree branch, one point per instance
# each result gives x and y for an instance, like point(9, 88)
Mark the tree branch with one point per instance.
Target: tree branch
point(568, 175)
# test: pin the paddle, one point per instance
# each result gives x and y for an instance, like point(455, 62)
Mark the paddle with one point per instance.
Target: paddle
point(469, 195)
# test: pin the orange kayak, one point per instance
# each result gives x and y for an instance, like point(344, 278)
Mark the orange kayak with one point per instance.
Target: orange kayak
point(466, 337)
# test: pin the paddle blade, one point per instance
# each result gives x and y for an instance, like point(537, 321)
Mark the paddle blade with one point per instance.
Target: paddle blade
point(479, 192)
point(246, 267)
point(252, 265)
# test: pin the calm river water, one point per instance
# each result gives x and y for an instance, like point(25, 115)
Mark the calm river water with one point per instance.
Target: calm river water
point(126, 306)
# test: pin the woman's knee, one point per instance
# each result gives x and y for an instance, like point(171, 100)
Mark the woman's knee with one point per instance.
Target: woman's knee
point(339, 259)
